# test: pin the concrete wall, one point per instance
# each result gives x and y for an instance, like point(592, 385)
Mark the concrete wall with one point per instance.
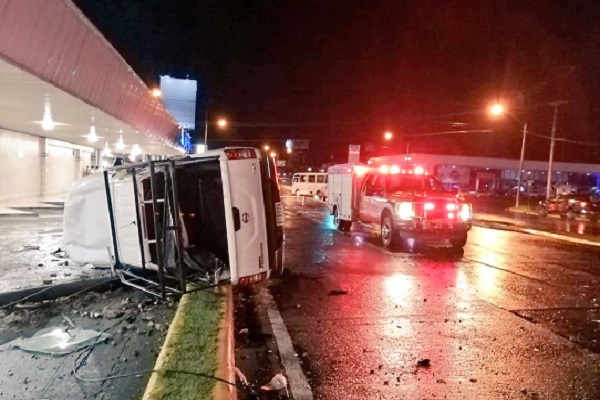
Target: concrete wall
point(19, 165)
point(32, 167)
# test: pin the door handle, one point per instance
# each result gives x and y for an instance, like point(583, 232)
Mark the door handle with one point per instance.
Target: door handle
point(237, 224)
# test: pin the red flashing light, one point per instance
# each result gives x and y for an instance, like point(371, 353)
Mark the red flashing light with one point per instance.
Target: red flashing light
point(395, 169)
point(450, 215)
point(240, 154)
point(419, 171)
point(384, 169)
point(429, 206)
point(360, 170)
point(451, 207)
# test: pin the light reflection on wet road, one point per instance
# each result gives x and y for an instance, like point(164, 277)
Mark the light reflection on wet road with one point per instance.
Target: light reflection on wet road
point(511, 317)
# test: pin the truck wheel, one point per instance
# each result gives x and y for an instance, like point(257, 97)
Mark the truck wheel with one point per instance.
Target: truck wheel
point(459, 243)
point(388, 237)
point(340, 224)
point(571, 214)
point(542, 212)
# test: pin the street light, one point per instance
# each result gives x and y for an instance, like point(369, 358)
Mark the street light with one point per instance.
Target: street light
point(266, 147)
point(221, 123)
point(497, 110)
point(156, 92)
point(388, 135)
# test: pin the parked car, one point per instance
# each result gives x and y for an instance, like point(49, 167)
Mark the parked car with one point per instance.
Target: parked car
point(570, 206)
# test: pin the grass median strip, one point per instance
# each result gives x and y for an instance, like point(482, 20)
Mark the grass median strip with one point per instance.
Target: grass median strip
point(190, 350)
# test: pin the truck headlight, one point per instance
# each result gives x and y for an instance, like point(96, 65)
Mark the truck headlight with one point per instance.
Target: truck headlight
point(466, 213)
point(405, 210)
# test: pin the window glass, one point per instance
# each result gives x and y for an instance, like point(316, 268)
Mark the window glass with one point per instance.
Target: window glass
point(320, 178)
point(403, 183)
point(303, 178)
point(311, 178)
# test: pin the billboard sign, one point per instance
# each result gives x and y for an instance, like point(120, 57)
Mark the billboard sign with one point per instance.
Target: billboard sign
point(179, 96)
point(353, 153)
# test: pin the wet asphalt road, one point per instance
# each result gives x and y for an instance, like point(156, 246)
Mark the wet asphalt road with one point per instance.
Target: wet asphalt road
point(514, 316)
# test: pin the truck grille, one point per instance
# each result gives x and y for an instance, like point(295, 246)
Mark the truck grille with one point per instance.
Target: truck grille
point(437, 209)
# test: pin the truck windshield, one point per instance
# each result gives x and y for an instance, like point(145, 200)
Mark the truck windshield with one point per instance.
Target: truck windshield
point(412, 183)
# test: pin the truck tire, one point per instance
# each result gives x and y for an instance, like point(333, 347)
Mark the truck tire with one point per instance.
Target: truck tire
point(389, 238)
point(459, 243)
point(340, 224)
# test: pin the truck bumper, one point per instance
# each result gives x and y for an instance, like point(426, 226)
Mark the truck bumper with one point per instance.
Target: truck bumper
point(419, 234)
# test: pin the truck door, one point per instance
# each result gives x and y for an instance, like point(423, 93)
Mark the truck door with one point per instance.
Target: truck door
point(370, 201)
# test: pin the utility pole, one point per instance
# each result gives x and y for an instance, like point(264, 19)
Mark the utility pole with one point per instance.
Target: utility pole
point(552, 141)
point(521, 160)
point(206, 131)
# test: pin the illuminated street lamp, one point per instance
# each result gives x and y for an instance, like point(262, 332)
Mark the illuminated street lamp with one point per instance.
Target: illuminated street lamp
point(388, 135)
point(156, 92)
point(497, 110)
point(289, 151)
point(221, 123)
point(266, 147)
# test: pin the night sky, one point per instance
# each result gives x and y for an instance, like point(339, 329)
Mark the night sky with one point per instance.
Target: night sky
point(345, 72)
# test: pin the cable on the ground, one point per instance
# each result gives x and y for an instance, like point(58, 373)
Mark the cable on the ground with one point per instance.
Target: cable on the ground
point(84, 355)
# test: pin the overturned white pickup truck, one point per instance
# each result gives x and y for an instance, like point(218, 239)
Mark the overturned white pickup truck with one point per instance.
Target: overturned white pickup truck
point(215, 215)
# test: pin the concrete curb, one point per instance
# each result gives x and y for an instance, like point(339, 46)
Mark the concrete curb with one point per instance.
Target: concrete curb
point(51, 292)
point(225, 350)
point(535, 232)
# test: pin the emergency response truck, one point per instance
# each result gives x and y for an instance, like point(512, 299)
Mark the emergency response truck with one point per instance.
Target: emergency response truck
point(407, 204)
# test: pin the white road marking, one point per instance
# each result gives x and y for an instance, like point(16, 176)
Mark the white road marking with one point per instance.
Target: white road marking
point(296, 379)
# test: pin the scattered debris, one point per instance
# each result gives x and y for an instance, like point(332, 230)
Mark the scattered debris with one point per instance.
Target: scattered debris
point(473, 380)
point(440, 380)
point(426, 362)
point(337, 292)
point(69, 321)
point(278, 382)
point(57, 341)
point(29, 248)
point(110, 314)
point(243, 331)
point(47, 281)
point(241, 377)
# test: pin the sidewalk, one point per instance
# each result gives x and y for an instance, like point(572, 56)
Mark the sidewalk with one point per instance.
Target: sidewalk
point(28, 206)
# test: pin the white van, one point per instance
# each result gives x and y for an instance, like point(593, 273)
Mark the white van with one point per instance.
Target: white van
point(309, 183)
point(218, 213)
